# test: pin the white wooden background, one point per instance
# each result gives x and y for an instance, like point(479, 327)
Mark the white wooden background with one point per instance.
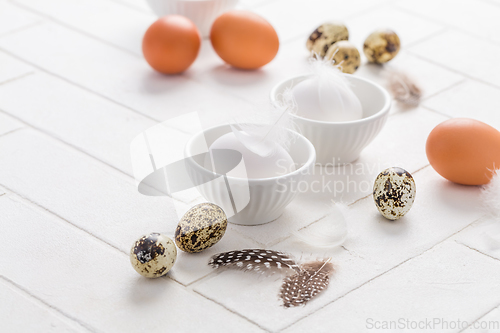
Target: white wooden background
point(74, 92)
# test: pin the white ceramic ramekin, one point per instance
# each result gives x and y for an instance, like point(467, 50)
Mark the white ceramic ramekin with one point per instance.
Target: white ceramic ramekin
point(202, 12)
point(268, 197)
point(342, 142)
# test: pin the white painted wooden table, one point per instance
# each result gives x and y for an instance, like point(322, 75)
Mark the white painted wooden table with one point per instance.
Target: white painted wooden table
point(74, 92)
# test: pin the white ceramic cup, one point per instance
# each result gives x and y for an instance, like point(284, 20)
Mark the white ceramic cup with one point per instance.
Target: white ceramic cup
point(268, 197)
point(202, 12)
point(338, 143)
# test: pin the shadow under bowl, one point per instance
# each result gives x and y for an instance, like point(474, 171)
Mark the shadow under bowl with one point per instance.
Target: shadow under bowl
point(248, 201)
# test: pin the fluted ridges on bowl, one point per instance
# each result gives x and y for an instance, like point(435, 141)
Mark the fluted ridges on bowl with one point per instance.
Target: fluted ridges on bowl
point(202, 13)
point(267, 202)
point(343, 145)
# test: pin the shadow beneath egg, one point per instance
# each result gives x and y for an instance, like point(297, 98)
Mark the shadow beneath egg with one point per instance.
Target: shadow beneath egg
point(231, 76)
point(392, 227)
point(373, 69)
point(157, 83)
point(459, 197)
point(145, 290)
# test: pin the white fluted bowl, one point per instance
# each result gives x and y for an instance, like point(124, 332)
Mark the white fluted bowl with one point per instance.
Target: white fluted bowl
point(202, 12)
point(342, 142)
point(268, 197)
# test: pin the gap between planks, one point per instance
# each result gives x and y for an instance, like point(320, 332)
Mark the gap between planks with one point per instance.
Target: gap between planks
point(229, 310)
point(109, 44)
point(447, 25)
point(105, 42)
point(69, 145)
point(41, 209)
point(385, 272)
point(40, 302)
point(479, 318)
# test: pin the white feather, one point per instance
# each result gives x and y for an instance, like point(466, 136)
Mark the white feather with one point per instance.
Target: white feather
point(329, 232)
point(268, 128)
point(327, 95)
point(327, 69)
point(490, 230)
point(491, 195)
point(403, 87)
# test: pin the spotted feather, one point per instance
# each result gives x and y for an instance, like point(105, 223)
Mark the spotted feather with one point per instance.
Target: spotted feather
point(301, 287)
point(258, 260)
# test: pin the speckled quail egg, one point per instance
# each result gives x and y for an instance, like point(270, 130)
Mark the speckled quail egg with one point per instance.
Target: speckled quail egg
point(326, 35)
point(200, 228)
point(381, 46)
point(394, 192)
point(153, 255)
point(346, 55)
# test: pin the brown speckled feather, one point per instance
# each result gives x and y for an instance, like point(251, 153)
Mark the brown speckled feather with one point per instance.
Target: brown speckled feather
point(258, 260)
point(404, 89)
point(300, 288)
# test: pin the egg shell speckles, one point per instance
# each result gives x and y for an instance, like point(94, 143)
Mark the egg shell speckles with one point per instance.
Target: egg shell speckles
point(394, 192)
point(153, 255)
point(346, 55)
point(381, 46)
point(200, 228)
point(326, 35)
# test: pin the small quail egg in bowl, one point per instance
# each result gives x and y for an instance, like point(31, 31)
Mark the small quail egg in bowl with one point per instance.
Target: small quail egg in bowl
point(341, 141)
point(252, 196)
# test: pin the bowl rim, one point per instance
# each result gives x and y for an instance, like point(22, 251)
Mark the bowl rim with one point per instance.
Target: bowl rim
point(200, 1)
point(383, 111)
point(310, 159)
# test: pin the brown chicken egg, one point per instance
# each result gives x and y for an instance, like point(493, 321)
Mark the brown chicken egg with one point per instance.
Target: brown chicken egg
point(244, 39)
point(171, 44)
point(464, 151)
